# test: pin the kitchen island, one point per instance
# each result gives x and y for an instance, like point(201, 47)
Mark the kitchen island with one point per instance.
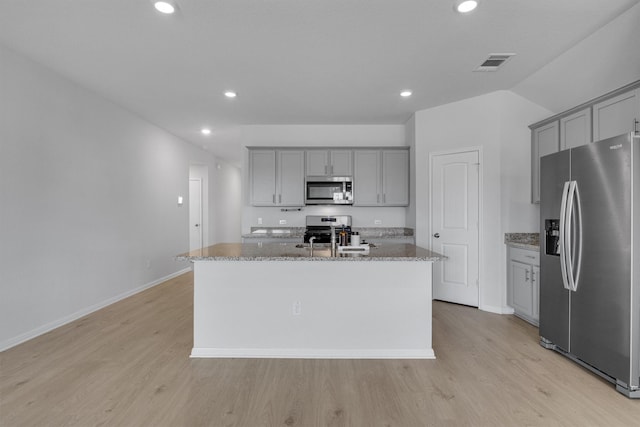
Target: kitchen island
point(276, 300)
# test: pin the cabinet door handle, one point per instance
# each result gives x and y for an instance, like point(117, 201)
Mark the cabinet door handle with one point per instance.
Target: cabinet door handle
point(331, 169)
point(326, 170)
point(279, 198)
point(635, 126)
point(533, 276)
point(384, 198)
point(526, 276)
point(273, 198)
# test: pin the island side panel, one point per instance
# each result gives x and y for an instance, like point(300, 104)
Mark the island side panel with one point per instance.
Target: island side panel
point(348, 309)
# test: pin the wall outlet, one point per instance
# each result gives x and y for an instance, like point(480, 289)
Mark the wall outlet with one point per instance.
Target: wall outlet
point(296, 308)
point(377, 222)
point(283, 221)
point(259, 221)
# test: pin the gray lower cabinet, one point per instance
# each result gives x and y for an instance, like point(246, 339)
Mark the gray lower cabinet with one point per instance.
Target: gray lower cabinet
point(523, 287)
point(276, 177)
point(381, 177)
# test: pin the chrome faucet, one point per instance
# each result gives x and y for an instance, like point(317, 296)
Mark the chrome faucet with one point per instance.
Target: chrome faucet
point(333, 241)
point(311, 239)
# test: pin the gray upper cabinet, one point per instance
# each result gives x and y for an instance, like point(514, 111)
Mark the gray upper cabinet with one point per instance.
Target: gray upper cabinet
point(612, 114)
point(395, 177)
point(262, 177)
point(290, 178)
point(276, 177)
point(381, 177)
point(329, 162)
point(367, 171)
point(575, 129)
point(616, 115)
point(544, 140)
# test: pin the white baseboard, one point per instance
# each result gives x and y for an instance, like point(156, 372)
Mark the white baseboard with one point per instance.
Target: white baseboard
point(311, 353)
point(496, 310)
point(12, 342)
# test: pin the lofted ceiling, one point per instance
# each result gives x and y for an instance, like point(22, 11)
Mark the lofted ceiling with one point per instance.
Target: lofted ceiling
point(292, 61)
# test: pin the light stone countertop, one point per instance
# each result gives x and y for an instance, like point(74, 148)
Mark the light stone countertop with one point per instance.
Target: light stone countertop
point(297, 252)
point(530, 241)
point(298, 232)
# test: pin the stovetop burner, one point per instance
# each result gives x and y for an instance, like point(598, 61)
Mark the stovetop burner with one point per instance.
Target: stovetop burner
point(320, 227)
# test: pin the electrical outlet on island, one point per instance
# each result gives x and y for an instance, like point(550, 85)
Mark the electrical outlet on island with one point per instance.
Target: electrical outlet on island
point(296, 309)
point(283, 222)
point(377, 222)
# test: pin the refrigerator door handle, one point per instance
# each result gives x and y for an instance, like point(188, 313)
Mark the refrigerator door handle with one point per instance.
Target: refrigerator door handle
point(568, 225)
point(562, 238)
point(575, 198)
point(572, 251)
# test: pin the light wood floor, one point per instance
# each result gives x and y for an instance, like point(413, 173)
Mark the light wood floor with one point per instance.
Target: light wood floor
point(129, 365)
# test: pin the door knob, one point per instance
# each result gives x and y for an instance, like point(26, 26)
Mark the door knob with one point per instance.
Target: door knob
point(197, 225)
point(437, 235)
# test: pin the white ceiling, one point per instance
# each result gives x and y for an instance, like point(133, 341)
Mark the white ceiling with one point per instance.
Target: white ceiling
point(292, 61)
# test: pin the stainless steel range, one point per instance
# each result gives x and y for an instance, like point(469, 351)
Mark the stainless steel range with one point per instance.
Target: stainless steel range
point(319, 226)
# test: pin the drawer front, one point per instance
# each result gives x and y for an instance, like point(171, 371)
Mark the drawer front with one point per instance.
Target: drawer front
point(525, 256)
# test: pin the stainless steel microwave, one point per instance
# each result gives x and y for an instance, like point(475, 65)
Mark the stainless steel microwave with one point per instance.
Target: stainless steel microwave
point(334, 190)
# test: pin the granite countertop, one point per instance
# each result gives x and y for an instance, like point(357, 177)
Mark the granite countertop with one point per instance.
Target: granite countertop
point(529, 241)
point(297, 252)
point(298, 232)
point(275, 232)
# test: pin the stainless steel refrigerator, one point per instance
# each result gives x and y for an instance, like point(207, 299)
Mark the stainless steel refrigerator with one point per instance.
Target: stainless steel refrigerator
point(590, 258)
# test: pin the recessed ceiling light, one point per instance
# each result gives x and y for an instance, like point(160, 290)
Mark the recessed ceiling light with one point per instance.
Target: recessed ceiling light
point(465, 6)
point(165, 6)
point(230, 94)
point(405, 93)
point(205, 131)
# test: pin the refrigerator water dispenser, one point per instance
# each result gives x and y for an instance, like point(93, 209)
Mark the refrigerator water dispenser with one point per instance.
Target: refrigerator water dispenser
point(551, 236)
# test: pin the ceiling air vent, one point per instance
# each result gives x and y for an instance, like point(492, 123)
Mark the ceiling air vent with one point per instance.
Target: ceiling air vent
point(494, 61)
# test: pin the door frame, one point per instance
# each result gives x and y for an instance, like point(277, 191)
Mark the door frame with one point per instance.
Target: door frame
point(477, 149)
point(201, 226)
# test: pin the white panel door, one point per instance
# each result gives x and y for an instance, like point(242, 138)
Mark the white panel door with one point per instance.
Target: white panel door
point(195, 213)
point(454, 226)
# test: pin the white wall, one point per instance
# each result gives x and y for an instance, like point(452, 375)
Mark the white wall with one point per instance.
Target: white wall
point(496, 122)
point(88, 191)
point(319, 135)
point(227, 203)
point(606, 60)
